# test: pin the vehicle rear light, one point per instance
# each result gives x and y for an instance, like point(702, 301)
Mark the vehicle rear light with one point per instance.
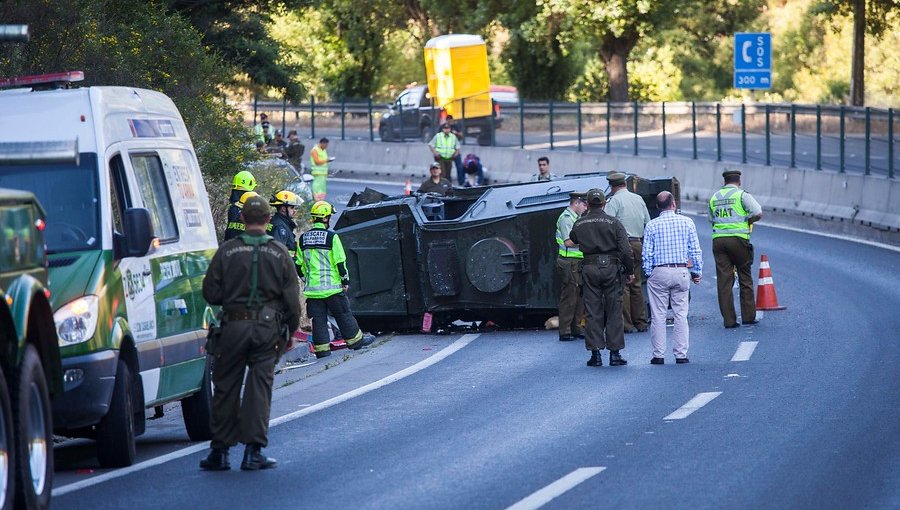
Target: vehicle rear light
point(40, 224)
point(42, 79)
point(47, 293)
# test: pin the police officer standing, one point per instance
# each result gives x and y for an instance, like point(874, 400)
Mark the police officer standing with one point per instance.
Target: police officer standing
point(568, 270)
point(604, 243)
point(630, 209)
point(322, 264)
point(282, 225)
point(242, 182)
point(253, 279)
point(731, 212)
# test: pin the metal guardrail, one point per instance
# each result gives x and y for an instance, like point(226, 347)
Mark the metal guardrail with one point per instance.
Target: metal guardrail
point(820, 137)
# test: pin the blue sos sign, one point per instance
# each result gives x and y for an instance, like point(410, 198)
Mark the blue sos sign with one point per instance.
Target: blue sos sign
point(752, 60)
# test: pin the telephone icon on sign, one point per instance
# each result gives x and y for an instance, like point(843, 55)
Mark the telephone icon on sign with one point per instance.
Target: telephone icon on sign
point(745, 52)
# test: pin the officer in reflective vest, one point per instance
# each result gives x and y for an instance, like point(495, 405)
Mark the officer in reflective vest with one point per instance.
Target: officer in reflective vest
point(322, 264)
point(318, 167)
point(568, 270)
point(445, 147)
point(731, 212)
point(242, 183)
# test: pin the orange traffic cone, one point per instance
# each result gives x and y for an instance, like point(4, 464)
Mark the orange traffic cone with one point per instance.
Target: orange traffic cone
point(408, 189)
point(765, 289)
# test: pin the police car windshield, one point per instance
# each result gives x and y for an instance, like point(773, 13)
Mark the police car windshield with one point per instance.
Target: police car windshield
point(68, 195)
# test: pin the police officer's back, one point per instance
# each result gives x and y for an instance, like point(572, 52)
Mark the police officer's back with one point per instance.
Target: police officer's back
point(604, 243)
point(252, 277)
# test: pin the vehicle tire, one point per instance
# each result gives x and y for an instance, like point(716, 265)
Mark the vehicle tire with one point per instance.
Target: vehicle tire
point(197, 409)
point(426, 133)
point(7, 448)
point(34, 433)
point(384, 133)
point(484, 138)
point(115, 432)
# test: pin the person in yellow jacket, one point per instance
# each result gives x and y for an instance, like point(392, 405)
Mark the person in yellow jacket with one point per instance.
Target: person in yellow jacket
point(322, 264)
point(445, 148)
point(318, 166)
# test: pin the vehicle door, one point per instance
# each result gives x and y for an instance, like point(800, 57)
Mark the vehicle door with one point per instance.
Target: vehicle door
point(409, 101)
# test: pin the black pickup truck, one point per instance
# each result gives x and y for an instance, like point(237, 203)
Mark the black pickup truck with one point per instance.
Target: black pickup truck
point(413, 115)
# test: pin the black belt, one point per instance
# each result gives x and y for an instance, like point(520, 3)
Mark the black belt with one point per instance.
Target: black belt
point(641, 239)
point(242, 315)
point(670, 265)
point(596, 256)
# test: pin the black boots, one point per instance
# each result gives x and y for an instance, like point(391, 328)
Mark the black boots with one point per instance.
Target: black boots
point(616, 359)
point(366, 339)
point(596, 360)
point(254, 459)
point(217, 460)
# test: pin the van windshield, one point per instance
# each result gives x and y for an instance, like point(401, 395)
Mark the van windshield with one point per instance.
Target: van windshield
point(68, 194)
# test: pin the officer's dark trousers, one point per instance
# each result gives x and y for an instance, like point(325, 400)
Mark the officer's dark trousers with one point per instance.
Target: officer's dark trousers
point(571, 306)
point(250, 345)
point(603, 307)
point(634, 311)
point(339, 307)
point(730, 253)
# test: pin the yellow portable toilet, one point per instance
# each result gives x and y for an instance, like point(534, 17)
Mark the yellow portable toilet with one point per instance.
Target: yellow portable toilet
point(457, 69)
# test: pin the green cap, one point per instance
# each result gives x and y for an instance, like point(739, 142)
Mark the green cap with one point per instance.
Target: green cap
point(256, 207)
point(616, 179)
point(595, 196)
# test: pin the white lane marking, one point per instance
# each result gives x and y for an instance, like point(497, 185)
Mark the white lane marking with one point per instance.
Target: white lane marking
point(744, 351)
point(700, 400)
point(425, 363)
point(556, 489)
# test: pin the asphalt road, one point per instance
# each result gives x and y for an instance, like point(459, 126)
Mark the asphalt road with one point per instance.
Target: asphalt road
point(809, 418)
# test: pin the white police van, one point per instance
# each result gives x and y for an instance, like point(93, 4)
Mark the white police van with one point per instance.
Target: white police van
point(129, 235)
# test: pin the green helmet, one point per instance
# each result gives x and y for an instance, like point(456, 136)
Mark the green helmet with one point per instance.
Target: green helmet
point(321, 210)
point(244, 181)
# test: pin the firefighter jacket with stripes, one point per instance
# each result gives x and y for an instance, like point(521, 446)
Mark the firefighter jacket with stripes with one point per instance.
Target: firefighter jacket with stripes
point(322, 262)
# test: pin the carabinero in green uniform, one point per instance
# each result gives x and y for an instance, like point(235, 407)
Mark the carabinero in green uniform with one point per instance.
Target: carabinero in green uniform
point(608, 264)
point(322, 264)
point(253, 279)
point(568, 270)
point(731, 212)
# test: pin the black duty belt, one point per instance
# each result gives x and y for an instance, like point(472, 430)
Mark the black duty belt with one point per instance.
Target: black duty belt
point(670, 265)
point(242, 315)
point(596, 256)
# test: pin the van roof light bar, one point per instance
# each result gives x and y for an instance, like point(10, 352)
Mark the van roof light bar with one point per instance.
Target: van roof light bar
point(43, 81)
point(35, 153)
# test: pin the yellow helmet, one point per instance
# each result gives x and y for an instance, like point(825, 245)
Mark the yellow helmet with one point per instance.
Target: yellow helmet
point(243, 180)
point(321, 210)
point(246, 196)
point(285, 197)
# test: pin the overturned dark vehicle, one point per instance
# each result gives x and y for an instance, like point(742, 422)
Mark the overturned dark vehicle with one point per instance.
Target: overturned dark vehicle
point(483, 254)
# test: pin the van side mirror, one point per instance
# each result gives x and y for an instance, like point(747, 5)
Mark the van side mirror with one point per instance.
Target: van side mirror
point(307, 178)
point(138, 232)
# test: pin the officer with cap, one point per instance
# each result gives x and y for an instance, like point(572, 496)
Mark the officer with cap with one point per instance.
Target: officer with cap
point(323, 266)
point(252, 277)
point(608, 261)
point(282, 225)
point(731, 212)
point(568, 270)
point(242, 182)
point(630, 209)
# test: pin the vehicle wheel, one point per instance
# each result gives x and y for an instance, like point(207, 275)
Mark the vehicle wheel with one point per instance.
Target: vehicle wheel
point(34, 433)
point(7, 448)
point(384, 133)
point(426, 133)
point(484, 138)
point(115, 432)
point(197, 409)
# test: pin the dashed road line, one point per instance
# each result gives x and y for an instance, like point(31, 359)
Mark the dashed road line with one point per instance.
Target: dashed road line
point(744, 351)
point(700, 400)
point(556, 489)
point(425, 363)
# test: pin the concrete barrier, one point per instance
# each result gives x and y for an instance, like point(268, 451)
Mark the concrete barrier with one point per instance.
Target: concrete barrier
point(872, 202)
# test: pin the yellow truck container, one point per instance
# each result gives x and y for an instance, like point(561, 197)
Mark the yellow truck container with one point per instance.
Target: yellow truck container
point(457, 70)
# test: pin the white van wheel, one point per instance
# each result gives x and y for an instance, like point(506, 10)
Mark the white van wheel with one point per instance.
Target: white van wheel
point(115, 432)
point(34, 433)
point(196, 410)
point(7, 448)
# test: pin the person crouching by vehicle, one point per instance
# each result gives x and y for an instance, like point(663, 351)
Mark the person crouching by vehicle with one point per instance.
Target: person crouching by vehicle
point(322, 264)
point(473, 171)
point(253, 279)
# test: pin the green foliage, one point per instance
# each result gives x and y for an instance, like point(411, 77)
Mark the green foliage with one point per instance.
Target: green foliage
point(120, 42)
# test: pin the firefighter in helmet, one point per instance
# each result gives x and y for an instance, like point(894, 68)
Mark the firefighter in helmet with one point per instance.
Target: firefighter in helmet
point(282, 225)
point(242, 182)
